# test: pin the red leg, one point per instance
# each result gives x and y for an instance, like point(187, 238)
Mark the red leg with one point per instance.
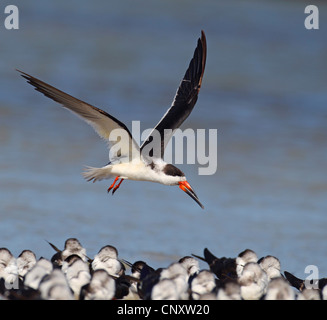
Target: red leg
point(116, 179)
point(117, 186)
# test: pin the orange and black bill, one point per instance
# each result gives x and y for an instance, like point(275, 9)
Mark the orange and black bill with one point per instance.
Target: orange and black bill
point(185, 186)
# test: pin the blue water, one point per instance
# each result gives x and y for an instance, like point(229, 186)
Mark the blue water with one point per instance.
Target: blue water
point(264, 90)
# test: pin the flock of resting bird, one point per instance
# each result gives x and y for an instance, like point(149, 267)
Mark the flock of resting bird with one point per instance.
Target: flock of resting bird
point(71, 274)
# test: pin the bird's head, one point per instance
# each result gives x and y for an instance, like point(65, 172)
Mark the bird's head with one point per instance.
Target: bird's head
point(179, 177)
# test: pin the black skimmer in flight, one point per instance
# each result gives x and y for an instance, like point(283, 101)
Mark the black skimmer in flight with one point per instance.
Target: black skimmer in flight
point(132, 162)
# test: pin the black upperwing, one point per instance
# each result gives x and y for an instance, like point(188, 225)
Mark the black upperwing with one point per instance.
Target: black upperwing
point(185, 98)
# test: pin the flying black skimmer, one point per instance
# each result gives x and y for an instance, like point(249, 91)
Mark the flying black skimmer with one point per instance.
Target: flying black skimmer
point(132, 162)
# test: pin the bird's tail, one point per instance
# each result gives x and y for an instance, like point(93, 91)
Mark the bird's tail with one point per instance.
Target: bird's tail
point(91, 173)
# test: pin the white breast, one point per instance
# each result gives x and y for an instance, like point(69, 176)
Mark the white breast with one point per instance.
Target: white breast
point(141, 172)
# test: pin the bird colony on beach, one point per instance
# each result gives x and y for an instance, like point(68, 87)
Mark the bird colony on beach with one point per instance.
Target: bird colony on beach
point(71, 274)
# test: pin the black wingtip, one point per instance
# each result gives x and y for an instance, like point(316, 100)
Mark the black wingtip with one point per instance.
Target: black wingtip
point(294, 281)
point(198, 257)
point(53, 246)
point(210, 257)
point(28, 77)
point(204, 54)
point(203, 37)
point(23, 74)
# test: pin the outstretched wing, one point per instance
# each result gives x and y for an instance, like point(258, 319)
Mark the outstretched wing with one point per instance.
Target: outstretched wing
point(102, 122)
point(184, 101)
